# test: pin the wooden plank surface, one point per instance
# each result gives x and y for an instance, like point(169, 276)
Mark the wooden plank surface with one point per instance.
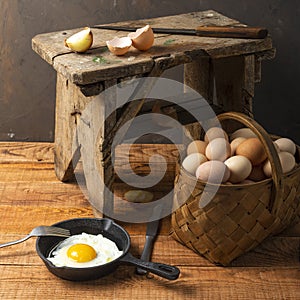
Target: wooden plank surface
point(82, 70)
point(31, 195)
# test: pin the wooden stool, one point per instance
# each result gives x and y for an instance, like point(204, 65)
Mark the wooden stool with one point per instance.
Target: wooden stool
point(223, 70)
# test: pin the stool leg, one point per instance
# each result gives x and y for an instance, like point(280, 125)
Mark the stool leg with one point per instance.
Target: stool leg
point(198, 75)
point(227, 84)
point(96, 122)
point(69, 104)
point(235, 79)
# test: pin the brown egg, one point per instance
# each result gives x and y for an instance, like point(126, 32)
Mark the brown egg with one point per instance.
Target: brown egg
point(239, 167)
point(142, 38)
point(196, 146)
point(235, 143)
point(253, 149)
point(287, 161)
point(215, 132)
point(257, 173)
point(119, 46)
point(213, 171)
point(218, 149)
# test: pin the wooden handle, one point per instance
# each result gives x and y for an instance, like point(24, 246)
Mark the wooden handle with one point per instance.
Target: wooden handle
point(264, 137)
point(232, 32)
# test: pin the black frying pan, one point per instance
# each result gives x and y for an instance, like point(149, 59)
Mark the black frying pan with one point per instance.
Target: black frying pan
point(110, 230)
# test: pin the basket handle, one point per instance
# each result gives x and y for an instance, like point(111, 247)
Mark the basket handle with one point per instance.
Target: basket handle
point(277, 174)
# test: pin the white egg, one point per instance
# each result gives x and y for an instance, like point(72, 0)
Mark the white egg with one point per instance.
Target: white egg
point(235, 143)
point(287, 161)
point(193, 161)
point(240, 168)
point(286, 145)
point(218, 149)
point(84, 250)
point(242, 132)
point(213, 171)
point(215, 132)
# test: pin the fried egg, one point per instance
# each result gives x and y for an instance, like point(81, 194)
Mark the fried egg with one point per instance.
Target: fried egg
point(84, 250)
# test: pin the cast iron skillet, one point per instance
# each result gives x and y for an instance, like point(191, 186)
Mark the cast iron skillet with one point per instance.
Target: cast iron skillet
point(110, 230)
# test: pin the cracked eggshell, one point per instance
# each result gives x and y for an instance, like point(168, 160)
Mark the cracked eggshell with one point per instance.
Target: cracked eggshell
point(142, 38)
point(119, 46)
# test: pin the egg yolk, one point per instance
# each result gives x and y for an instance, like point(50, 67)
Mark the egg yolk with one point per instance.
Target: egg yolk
point(81, 253)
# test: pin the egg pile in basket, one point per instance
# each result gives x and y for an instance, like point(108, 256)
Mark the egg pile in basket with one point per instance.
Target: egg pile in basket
point(234, 190)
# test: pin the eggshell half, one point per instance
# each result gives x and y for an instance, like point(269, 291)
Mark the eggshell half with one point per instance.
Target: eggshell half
point(142, 38)
point(119, 46)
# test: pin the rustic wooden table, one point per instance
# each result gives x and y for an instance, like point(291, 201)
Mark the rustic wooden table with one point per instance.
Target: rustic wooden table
point(223, 70)
point(31, 195)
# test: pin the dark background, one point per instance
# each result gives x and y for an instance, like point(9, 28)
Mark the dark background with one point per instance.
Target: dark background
point(27, 83)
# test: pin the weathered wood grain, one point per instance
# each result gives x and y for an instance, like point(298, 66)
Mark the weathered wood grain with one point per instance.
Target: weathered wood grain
point(194, 283)
point(10, 172)
point(50, 46)
point(83, 76)
point(276, 252)
point(270, 271)
point(18, 152)
point(70, 103)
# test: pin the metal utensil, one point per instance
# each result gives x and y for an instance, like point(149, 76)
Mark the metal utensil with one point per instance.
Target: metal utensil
point(151, 234)
point(205, 31)
point(110, 230)
point(41, 231)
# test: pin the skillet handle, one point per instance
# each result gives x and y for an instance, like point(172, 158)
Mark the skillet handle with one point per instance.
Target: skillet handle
point(162, 270)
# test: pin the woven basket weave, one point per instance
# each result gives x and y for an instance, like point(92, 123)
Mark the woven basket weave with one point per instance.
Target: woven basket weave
point(238, 217)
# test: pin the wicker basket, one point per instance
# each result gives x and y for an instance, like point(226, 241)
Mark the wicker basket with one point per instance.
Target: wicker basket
point(238, 217)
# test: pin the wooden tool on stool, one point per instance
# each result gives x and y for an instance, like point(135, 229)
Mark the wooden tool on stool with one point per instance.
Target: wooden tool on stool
point(207, 31)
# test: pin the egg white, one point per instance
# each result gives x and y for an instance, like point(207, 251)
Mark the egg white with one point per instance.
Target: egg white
point(106, 251)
